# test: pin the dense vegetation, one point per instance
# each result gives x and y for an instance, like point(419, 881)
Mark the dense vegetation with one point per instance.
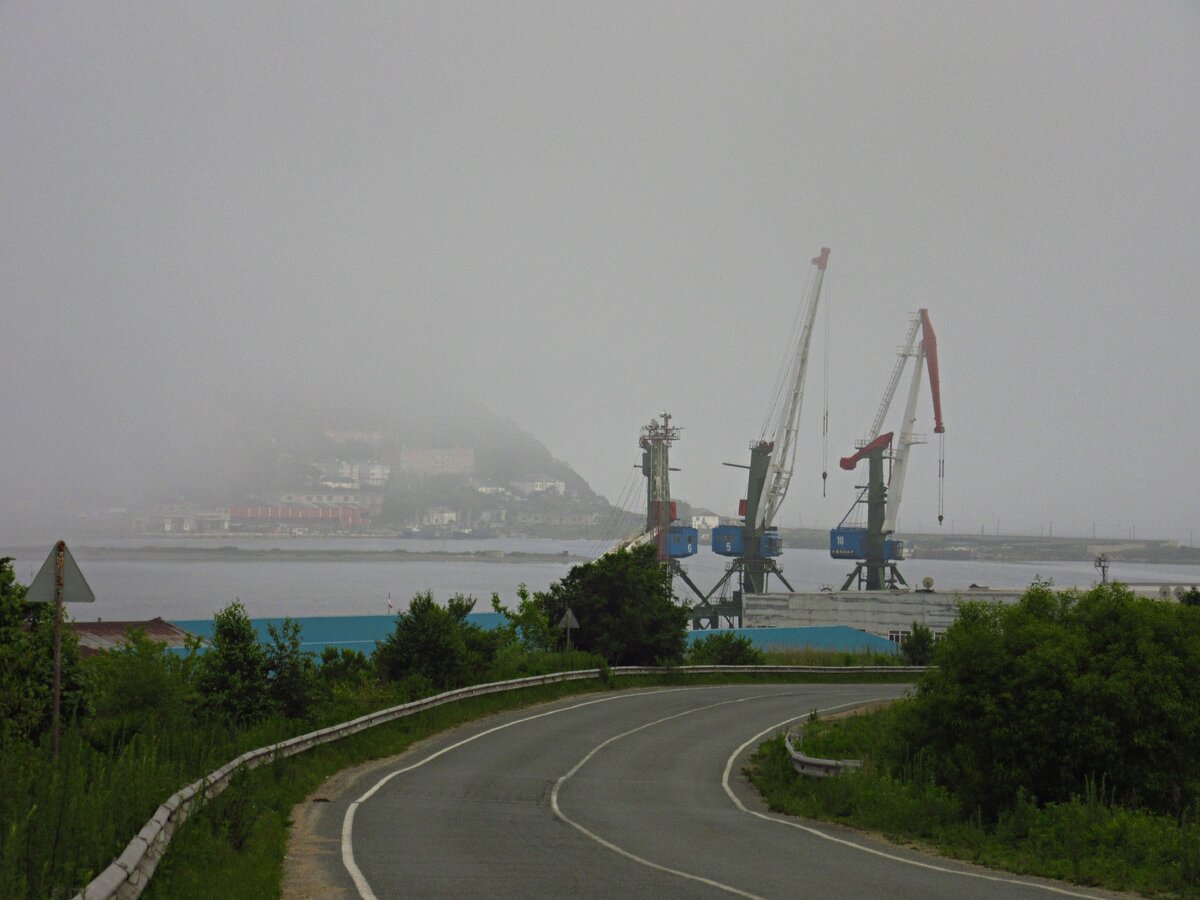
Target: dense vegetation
point(1058, 735)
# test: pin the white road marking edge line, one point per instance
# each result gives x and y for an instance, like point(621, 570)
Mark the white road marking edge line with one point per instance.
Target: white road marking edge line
point(356, 875)
point(851, 844)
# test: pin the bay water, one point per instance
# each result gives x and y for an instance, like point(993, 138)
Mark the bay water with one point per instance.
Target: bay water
point(183, 587)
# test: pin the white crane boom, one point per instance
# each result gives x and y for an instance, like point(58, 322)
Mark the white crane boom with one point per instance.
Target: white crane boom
point(922, 352)
point(907, 439)
point(890, 392)
point(779, 472)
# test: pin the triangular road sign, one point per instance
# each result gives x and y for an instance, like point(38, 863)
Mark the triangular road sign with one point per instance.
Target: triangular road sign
point(75, 586)
point(568, 620)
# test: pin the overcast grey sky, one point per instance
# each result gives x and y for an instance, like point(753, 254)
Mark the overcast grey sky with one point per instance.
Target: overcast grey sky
point(584, 214)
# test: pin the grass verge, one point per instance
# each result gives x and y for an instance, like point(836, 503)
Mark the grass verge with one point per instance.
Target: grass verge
point(1088, 841)
point(234, 846)
point(809, 656)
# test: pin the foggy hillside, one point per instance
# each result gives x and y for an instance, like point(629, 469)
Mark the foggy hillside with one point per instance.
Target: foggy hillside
point(271, 450)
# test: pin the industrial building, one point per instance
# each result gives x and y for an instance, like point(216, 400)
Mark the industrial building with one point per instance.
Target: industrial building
point(887, 614)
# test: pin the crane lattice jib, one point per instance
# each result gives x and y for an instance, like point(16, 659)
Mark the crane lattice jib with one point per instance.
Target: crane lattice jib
point(779, 474)
point(897, 370)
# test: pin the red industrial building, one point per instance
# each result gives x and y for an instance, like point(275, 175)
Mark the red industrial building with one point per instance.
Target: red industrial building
point(323, 517)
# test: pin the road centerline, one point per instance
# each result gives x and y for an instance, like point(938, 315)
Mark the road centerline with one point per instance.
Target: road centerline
point(621, 851)
point(356, 875)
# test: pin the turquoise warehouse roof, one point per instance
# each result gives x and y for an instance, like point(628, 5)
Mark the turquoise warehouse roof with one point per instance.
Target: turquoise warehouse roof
point(361, 633)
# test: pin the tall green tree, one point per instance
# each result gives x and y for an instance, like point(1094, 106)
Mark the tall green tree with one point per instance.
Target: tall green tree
point(292, 671)
point(626, 608)
point(233, 671)
point(27, 665)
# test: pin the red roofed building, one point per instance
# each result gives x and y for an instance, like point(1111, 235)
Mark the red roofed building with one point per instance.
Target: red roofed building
point(100, 637)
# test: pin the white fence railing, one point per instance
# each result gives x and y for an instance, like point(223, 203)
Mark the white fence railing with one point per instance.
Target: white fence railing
point(129, 873)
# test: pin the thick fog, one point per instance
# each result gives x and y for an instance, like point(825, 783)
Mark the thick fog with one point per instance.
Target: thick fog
point(581, 215)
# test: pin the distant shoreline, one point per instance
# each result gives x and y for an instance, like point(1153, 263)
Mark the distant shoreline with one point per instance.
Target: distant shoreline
point(238, 554)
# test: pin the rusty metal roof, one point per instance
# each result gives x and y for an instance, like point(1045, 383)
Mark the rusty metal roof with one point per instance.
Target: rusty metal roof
point(97, 637)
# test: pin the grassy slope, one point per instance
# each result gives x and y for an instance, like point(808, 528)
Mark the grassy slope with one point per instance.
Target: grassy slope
point(1088, 841)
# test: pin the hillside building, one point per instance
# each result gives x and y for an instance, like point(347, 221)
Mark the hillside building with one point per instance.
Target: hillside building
point(429, 461)
point(557, 488)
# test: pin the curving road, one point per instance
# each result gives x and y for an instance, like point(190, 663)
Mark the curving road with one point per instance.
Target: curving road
point(634, 793)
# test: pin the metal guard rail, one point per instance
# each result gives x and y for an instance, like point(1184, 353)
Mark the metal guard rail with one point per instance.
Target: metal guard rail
point(129, 873)
point(814, 766)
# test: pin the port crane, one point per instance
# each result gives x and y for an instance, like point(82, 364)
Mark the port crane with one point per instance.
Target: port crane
point(674, 540)
point(872, 546)
point(754, 544)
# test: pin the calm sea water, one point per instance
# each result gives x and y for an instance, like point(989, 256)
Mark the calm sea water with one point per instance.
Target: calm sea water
point(195, 589)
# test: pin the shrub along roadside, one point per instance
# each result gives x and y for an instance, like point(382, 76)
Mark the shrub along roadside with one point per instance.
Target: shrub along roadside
point(1087, 839)
point(1058, 735)
point(810, 656)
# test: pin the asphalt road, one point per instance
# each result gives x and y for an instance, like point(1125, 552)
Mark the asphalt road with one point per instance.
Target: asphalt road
point(633, 793)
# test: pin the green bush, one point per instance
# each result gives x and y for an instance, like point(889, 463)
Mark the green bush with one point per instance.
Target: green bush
point(140, 686)
point(1058, 688)
point(344, 665)
point(918, 646)
point(527, 626)
point(725, 649)
point(436, 644)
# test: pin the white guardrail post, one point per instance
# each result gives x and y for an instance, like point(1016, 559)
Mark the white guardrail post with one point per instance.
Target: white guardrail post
point(129, 873)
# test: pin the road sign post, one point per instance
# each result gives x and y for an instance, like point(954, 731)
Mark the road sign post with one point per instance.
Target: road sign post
point(568, 621)
point(59, 552)
point(59, 581)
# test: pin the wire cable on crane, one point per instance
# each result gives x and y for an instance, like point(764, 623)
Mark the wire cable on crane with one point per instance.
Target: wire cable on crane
point(783, 380)
point(941, 476)
point(613, 530)
point(825, 416)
